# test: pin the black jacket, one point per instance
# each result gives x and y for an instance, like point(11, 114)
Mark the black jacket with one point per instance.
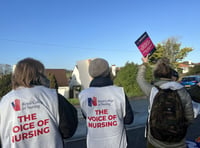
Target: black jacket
point(68, 117)
point(194, 92)
point(106, 81)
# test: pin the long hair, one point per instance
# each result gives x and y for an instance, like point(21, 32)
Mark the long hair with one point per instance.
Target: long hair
point(29, 72)
point(163, 69)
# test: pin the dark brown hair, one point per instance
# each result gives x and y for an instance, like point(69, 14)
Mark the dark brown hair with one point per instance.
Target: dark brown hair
point(163, 69)
point(28, 72)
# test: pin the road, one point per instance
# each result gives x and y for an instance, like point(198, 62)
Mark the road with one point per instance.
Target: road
point(135, 131)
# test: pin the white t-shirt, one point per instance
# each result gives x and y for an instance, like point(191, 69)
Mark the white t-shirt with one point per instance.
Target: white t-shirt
point(29, 117)
point(104, 108)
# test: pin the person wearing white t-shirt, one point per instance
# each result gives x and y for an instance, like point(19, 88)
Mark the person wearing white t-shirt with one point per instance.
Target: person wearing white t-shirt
point(105, 108)
point(33, 115)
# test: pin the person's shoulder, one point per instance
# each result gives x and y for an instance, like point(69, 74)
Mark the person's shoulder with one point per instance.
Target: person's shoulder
point(170, 84)
point(43, 88)
point(84, 91)
point(116, 87)
point(178, 85)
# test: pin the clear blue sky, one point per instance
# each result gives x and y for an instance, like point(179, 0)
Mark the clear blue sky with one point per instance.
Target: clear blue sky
point(60, 33)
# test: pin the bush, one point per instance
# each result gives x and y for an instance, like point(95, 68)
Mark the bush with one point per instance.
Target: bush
point(194, 70)
point(126, 78)
point(5, 84)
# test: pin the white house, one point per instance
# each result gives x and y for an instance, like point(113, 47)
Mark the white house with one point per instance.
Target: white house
point(81, 79)
point(75, 78)
point(62, 80)
point(185, 66)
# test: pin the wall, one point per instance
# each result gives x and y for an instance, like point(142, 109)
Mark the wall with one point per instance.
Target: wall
point(64, 91)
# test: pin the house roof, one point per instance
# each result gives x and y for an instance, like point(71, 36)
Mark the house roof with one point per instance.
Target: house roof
point(187, 62)
point(183, 65)
point(60, 75)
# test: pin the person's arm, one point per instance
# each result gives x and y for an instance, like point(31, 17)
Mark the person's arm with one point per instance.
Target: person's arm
point(129, 117)
point(144, 85)
point(83, 114)
point(187, 103)
point(194, 93)
point(68, 117)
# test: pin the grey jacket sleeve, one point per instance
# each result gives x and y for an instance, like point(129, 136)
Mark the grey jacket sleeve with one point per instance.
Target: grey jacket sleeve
point(144, 85)
point(187, 104)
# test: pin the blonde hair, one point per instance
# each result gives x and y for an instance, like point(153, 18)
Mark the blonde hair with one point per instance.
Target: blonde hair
point(28, 72)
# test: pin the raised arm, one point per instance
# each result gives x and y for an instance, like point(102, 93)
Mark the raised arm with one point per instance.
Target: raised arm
point(144, 85)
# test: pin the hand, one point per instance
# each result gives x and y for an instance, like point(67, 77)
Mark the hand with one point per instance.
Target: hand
point(145, 59)
point(198, 84)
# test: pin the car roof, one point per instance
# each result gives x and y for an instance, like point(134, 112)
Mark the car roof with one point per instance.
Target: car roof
point(192, 76)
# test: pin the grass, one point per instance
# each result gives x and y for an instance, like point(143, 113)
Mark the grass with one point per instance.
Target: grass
point(74, 101)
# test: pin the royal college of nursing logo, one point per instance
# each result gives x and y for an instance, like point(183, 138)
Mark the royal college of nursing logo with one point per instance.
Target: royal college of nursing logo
point(16, 105)
point(92, 101)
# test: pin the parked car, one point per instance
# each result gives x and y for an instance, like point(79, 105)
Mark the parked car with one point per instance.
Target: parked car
point(189, 81)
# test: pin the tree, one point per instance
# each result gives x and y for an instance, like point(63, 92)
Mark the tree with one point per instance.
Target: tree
point(172, 50)
point(194, 70)
point(5, 84)
point(126, 78)
point(53, 81)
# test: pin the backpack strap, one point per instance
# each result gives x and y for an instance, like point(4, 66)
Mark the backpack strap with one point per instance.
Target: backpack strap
point(157, 87)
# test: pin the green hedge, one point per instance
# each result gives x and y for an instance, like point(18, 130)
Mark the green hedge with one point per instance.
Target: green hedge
point(126, 78)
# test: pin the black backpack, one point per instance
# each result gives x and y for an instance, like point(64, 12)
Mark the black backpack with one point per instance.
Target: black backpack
point(167, 119)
